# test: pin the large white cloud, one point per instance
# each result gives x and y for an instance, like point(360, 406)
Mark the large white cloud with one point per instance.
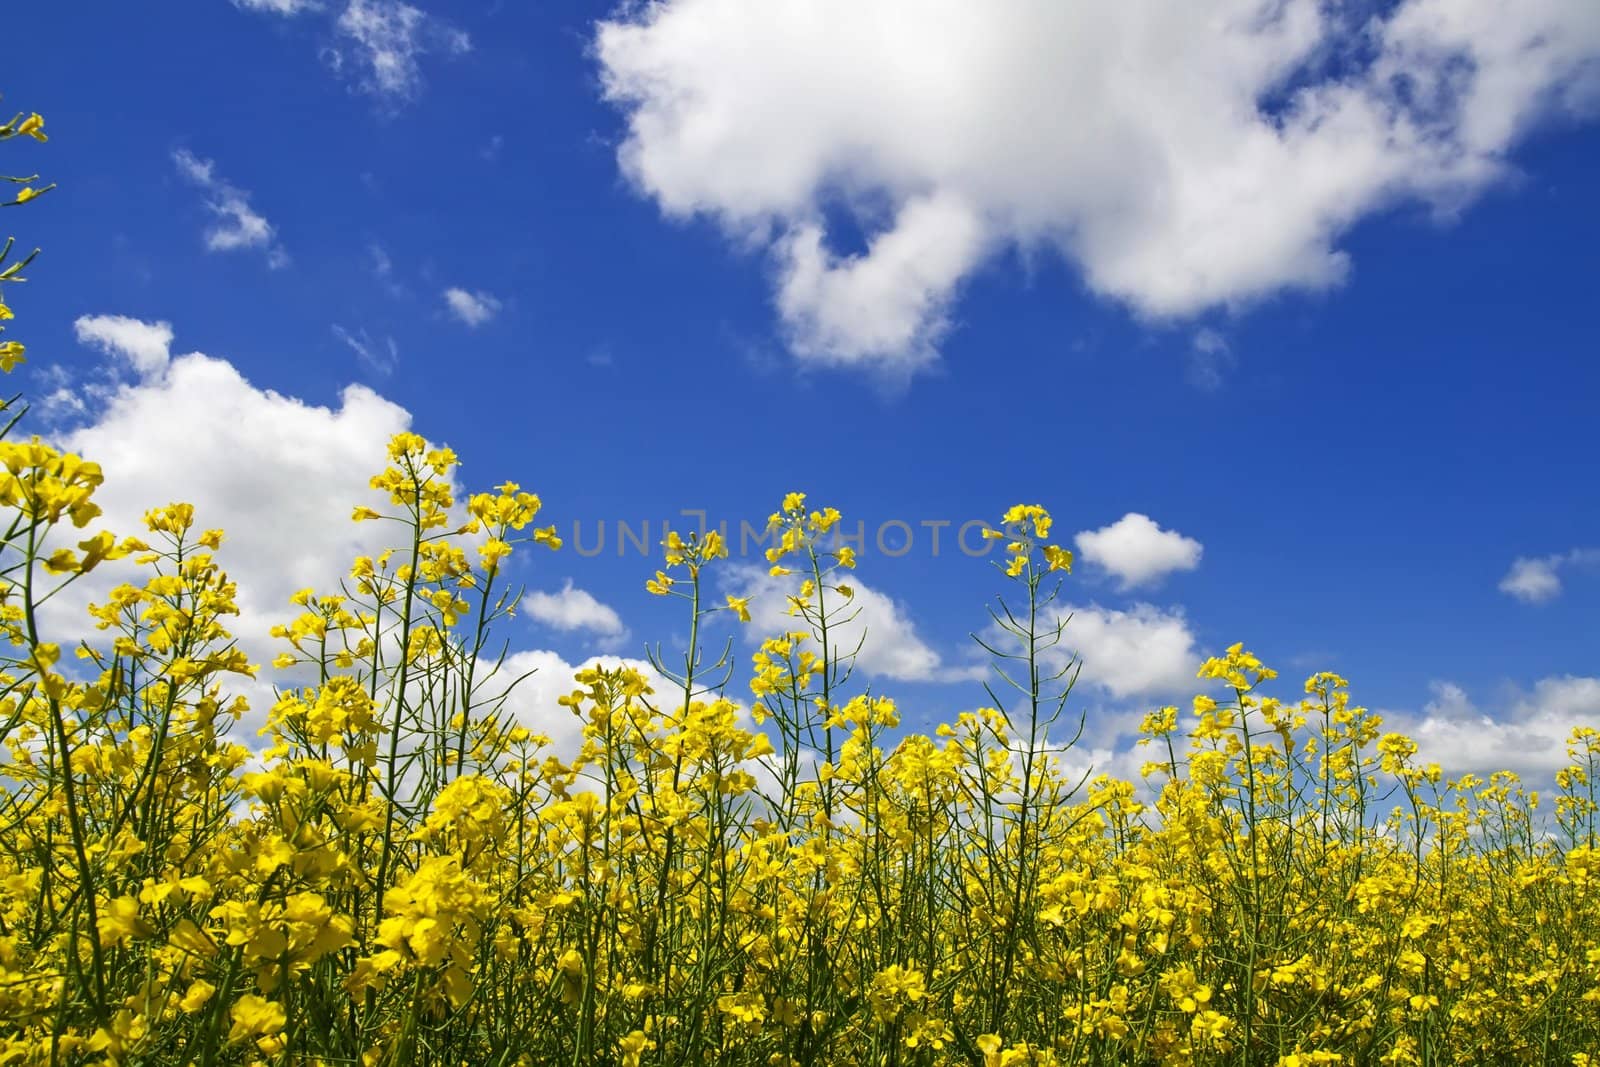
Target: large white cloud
point(1138, 551)
point(1528, 737)
point(1183, 156)
point(279, 475)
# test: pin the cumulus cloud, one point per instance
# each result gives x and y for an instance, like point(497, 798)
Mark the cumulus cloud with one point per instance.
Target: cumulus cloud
point(238, 225)
point(145, 346)
point(533, 702)
point(1142, 651)
point(1139, 652)
point(1181, 157)
point(1529, 738)
point(278, 474)
point(474, 309)
point(1538, 578)
point(574, 609)
point(889, 305)
point(1138, 551)
point(1532, 580)
point(890, 646)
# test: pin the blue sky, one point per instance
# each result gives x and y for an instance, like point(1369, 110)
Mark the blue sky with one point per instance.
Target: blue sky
point(1315, 297)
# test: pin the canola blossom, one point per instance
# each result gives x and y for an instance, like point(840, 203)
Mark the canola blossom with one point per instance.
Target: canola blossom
point(400, 872)
point(755, 867)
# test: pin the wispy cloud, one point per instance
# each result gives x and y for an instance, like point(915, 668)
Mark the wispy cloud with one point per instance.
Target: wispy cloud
point(1210, 357)
point(380, 357)
point(279, 7)
point(382, 264)
point(238, 225)
point(474, 309)
point(378, 45)
point(382, 42)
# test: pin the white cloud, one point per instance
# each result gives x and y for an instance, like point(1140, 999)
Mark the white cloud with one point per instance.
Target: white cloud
point(890, 646)
point(1537, 579)
point(379, 44)
point(533, 702)
point(1182, 157)
point(238, 224)
point(1138, 551)
point(889, 306)
point(145, 346)
point(574, 609)
point(474, 309)
point(58, 401)
point(278, 474)
point(1530, 738)
point(383, 42)
point(1532, 580)
point(1140, 652)
point(62, 403)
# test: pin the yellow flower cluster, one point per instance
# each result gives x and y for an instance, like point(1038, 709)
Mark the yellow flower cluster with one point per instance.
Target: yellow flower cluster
point(11, 270)
point(402, 870)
